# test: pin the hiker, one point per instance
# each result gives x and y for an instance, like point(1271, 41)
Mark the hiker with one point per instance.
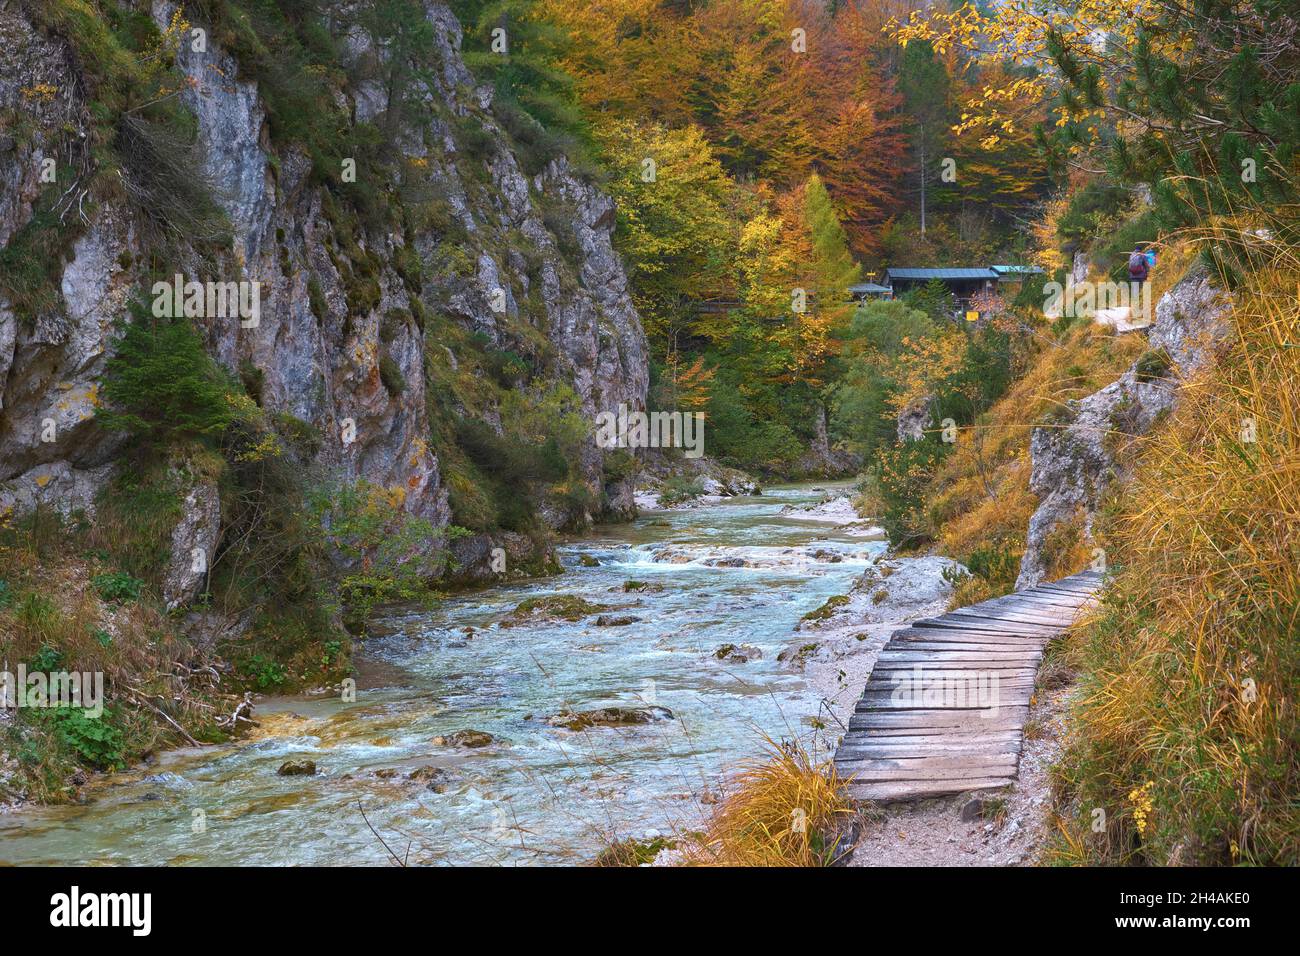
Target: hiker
point(1138, 266)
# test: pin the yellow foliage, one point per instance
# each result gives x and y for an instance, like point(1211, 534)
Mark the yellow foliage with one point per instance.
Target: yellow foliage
point(786, 810)
point(1191, 672)
point(981, 493)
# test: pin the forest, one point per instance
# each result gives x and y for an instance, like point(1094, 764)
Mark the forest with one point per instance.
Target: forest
point(457, 237)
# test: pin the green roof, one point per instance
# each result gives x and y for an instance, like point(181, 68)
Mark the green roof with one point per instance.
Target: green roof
point(1017, 270)
point(925, 275)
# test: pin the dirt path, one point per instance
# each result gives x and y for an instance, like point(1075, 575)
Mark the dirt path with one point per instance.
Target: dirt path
point(1011, 830)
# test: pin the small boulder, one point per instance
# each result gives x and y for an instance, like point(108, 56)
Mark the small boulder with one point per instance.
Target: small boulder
point(738, 653)
point(297, 768)
point(437, 779)
point(798, 655)
point(638, 587)
point(613, 620)
point(608, 717)
point(465, 738)
point(563, 607)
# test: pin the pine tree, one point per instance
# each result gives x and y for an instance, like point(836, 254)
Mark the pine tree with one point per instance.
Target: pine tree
point(1210, 109)
point(927, 90)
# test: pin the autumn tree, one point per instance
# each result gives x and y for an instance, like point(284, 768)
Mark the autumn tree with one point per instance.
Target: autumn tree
point(675, 221)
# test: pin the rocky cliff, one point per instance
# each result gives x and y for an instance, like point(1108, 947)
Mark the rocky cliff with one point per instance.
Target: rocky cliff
point(377, 321)
point(1076, 462)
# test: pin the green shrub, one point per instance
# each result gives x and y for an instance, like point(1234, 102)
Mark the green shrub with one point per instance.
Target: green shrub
point(900, 483)
point(389, 554)
point(93, 739)
point(1088, 212)
point(37, 613)
point(134, 518)
point(266, 673)
point(31, 264)
point(46, 660)
point(162, 386)
point(391, 376)
point(678, 489)
point(305, 438)
point(474, 138)
point(1152, 365)
point(316, 299)
point(117, 587)
point(618, 465)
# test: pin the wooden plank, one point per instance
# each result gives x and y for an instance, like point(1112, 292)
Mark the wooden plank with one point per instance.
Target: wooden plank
point(1002, 741)
point(959, 763)
point(864, 772)
point(893, 750)
point(993, 649)
point(1015, 623)
point(940, 748)
point(989, 635)
point(1038, 602)
point(901, 679)
point(919, 723)
point(958, 655)
point(920, 790)
point(1078, 592)
point(943, 665)
point(1050, 622)
point(950, 622)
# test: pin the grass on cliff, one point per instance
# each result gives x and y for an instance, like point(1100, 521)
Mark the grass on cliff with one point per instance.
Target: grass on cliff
point(979, 498)
point(65, 606)
point(1185, 729)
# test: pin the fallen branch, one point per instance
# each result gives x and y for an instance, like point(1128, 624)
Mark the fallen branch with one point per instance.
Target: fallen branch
point(179, 729)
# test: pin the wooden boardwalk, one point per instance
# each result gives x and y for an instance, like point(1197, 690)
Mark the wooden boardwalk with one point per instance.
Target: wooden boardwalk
point(945, 706)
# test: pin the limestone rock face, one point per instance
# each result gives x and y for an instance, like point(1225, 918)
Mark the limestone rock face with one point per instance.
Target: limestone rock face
point(317, 350)
point(1075, 464)
point(194, 543)
point(915, 419)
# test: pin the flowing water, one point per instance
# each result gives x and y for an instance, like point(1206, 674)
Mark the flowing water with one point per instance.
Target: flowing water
point(733, 572)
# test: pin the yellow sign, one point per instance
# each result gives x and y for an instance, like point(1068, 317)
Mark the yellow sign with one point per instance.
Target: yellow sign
point(972, 316)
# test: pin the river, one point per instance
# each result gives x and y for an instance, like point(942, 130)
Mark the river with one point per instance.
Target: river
point(735, 572)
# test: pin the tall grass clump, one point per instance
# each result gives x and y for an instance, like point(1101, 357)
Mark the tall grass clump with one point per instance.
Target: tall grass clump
point(784, 809)
point(1185, 729)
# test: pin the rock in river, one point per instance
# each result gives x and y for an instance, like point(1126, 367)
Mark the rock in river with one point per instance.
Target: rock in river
point(437, 779)
point(297, 768)
point(614, 620)
point(465, 738)
point(608, 717)
point(563, 607)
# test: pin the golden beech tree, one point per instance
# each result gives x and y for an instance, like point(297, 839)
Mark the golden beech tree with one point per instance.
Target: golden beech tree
point(629, 57)
point(675, 207)
point(756, 89)
point(796, 269)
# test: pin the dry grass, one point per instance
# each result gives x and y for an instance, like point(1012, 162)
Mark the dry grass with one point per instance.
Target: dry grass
point(981, 494)
point(52, 617)
point(784, 810)
point(1190, 675)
